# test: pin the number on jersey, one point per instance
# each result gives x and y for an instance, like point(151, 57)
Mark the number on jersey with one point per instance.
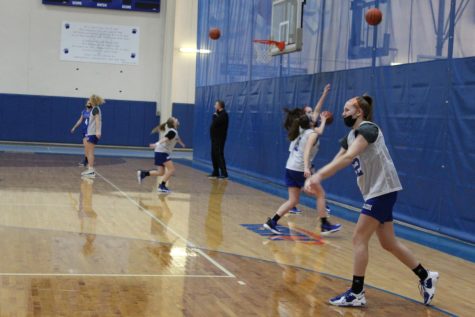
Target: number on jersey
point(357, 167)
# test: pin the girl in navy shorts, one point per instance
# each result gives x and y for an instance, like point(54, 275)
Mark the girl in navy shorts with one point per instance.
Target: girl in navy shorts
point(314, 115)
point(83, 121)
point(364, 148)
point(163, 149)
point(303, 148)
point(93, 134)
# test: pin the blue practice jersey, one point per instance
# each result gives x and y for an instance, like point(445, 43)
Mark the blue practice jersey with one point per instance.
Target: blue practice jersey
point(85, 122)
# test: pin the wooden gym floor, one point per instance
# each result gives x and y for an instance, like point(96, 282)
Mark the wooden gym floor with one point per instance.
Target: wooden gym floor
point(112, 247)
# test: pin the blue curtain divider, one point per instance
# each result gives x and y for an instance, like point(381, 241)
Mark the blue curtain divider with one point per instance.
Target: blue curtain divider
point(425, 111)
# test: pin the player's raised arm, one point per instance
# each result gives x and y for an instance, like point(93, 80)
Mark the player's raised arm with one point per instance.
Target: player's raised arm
point(321, 101)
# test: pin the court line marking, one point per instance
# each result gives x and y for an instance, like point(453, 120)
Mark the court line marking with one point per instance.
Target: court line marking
point(113, 275)
point(315, 270)
point(187, 242)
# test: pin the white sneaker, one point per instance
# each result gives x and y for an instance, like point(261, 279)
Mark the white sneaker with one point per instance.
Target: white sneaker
point(427, 287)
point(349, 298)
point(139, 176)
point(90, 172)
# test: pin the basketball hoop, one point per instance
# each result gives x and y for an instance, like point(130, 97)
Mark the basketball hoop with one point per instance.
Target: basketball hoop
point(264, 53)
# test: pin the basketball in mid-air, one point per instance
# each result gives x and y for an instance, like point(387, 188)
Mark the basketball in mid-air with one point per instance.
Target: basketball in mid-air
point(214, 33)
point(329, 116)
point(373, 16)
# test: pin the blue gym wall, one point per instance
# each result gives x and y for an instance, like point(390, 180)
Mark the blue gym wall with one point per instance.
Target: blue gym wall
point(29, 118)
point(425, 111)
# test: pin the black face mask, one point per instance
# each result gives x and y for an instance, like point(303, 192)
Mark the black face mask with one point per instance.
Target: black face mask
point(349, 121)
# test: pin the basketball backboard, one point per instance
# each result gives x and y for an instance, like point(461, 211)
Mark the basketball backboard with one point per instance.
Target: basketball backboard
point(287, 23)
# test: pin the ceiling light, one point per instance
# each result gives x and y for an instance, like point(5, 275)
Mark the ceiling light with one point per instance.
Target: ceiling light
point(194, 50)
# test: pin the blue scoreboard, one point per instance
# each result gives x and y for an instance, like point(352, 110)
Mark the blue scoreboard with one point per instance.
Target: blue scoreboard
point(130, 5)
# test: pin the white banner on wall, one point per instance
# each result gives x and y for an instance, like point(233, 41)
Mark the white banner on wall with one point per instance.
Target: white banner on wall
point(99, 43)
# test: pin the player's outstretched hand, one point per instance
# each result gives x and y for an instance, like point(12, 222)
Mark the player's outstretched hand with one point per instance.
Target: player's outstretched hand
point(307, 173)
point(312, 184)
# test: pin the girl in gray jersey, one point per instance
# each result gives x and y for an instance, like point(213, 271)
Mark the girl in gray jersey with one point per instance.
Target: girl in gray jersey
point(365, 149)
point(163, 149)
point(93, 134)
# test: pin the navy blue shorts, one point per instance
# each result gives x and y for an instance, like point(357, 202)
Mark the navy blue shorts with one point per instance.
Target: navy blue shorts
point(92, 139)
point(161, 158)
point(294, 178)
point(381, 207)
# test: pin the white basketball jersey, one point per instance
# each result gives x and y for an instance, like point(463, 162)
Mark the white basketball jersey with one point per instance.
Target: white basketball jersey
point(91, 125)
point(374, 168)
point(168, 145)
point(297, 150)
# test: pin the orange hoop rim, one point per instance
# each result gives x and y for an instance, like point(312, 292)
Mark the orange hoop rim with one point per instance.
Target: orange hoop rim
point(279, 44)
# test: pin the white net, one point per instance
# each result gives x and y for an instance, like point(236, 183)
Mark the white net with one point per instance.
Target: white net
point(262, 53)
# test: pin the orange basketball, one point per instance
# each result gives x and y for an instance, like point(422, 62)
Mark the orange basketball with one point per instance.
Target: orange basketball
point(214, 33)
point(329, 116)
point(373, 16)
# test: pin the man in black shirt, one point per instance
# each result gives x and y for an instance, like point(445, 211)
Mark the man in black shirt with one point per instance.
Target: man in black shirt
point(218, 132)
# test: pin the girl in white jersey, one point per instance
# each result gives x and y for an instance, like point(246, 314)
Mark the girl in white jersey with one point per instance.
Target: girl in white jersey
point(303, 148)
point(83, 122)
point(93, 134)
point(365, 149)
point(163, 149)
point(314, 114)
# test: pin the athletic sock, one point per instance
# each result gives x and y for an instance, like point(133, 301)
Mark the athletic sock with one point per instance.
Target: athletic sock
point(421, 272)
point(357, 285)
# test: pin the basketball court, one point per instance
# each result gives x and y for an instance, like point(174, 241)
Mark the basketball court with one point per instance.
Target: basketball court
point(113, 247)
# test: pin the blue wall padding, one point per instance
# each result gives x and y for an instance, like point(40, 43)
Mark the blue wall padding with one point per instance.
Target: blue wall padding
point(30, 118)
point(185, 112)
point(425, 110)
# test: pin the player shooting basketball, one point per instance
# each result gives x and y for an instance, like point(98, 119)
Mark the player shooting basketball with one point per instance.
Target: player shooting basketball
point(364, 148)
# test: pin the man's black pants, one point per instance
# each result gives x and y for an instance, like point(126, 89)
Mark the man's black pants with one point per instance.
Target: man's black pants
point(217, 157)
